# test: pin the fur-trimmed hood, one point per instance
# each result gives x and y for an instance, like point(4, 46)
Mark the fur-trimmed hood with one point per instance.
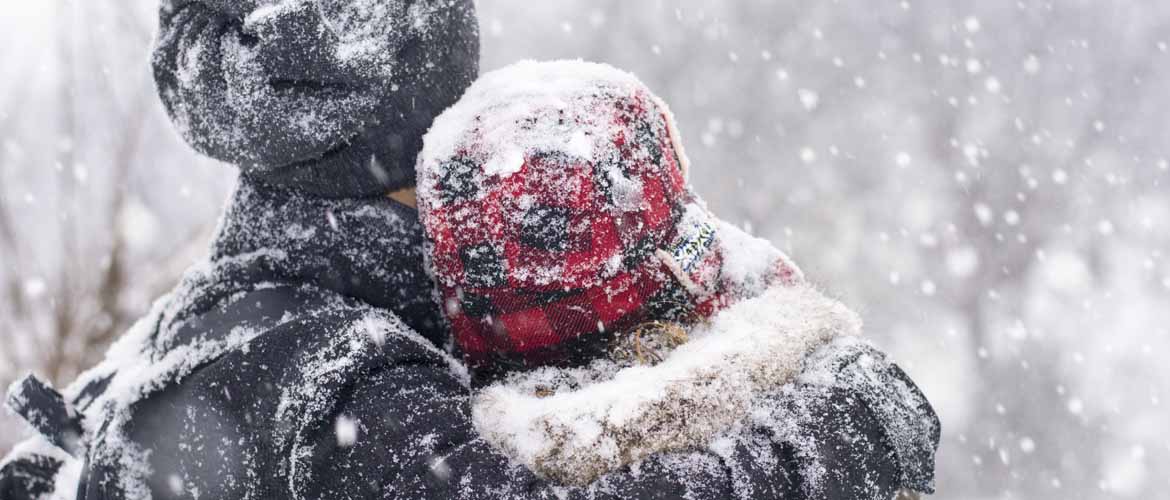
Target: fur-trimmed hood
point(603, 417)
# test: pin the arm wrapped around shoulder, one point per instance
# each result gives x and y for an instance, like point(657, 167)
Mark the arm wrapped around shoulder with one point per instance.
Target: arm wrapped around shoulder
point(700, 391)
point(861, 427)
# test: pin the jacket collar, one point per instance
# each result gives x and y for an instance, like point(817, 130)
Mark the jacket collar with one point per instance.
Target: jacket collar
point(368, 249)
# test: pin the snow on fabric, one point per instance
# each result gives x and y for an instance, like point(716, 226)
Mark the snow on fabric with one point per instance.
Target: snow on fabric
point(597, 422)
point(260, 230)
point(310, 399)
point(911, 427)
point(67, 475)
point(368, 30)
point(328, 96)
point(533, 106)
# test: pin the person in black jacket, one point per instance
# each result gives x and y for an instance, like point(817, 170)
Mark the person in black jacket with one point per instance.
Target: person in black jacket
point(305, 358)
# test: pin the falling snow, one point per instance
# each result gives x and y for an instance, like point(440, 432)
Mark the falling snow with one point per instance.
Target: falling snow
point(989, 185)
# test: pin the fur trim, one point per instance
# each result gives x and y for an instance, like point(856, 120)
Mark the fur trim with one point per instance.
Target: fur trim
point(702, 389)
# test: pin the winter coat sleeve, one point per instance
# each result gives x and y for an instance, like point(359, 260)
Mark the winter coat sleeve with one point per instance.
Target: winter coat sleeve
point(403, 430)
point(859, 427)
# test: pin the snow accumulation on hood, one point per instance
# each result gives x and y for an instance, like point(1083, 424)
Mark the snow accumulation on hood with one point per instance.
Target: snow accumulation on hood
point(326, 96)
point(603, 417)
point(530, 107)
point(364, 28)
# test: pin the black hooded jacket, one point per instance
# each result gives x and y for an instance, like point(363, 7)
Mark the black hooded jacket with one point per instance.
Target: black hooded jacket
point(302, 361)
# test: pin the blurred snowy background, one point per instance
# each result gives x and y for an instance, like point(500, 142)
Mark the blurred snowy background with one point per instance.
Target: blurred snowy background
point(986, 180)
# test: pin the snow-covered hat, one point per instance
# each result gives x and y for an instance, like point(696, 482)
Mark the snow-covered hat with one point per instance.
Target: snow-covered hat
point(555, 200)
point(326, 97)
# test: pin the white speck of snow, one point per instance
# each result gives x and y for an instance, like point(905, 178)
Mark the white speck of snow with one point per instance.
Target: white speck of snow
point(347, 431)
point(1076, 406)
point(81, 173)
point(505, 164)
point(993, 85)
point(929, 288)
point(807, 155)
point(972, 153)
point(137, 224)
point(1105, 227)
point(440, 469)
point(374, 330)
point(1027, 445)
point(332, 220)
point(1032, 64)
point(903, 159)
point(972, 24)
point(1011, 217)
point(175, 483)
point(984, 213)
point(1059, 176)
point(35, 288)
point(974, 66)
point(1099, 126)
point(963, 262)
point(810, 99)
point(1065, 271)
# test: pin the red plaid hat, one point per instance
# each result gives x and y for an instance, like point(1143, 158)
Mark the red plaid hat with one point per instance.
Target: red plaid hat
point(558, 212)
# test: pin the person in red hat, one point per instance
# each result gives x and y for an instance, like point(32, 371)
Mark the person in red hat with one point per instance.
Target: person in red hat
point(604, 312)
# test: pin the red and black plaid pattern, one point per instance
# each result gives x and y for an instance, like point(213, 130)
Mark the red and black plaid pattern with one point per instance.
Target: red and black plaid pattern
point(538, 266)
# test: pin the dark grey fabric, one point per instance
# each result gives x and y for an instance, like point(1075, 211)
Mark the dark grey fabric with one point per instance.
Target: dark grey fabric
point(28, 478)
point(294, 101)
point(46, 411)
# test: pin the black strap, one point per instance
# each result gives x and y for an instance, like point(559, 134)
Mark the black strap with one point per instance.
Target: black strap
point(46, 411)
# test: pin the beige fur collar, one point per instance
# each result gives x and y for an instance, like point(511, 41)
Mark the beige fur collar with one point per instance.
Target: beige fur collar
point(705, 387)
